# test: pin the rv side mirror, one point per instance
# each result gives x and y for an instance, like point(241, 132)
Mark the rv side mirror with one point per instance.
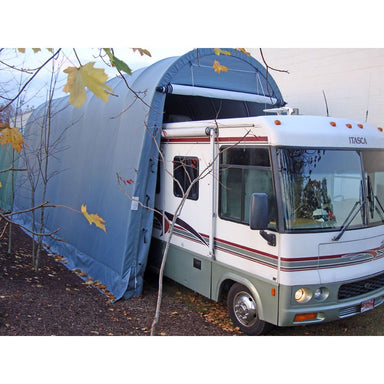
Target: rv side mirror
point(258, 214)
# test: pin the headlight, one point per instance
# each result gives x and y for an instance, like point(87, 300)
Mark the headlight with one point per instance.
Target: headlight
point(321, 294)
point(303, 295)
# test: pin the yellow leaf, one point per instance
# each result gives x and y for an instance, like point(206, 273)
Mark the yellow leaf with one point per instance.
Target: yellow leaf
point(12, 136)
point(93, 218)
point(86, 76)
point(35, 50)
point(1, 185)
point(219, 51)
point(242, 50)
point(218, 67)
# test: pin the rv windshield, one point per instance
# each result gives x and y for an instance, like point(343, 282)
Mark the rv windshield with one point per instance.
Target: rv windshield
point(325, 188)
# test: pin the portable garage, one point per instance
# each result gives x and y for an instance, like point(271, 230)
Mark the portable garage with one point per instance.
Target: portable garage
point(102, 152)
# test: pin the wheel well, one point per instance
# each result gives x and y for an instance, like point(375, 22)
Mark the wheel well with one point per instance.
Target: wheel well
point(224, 289)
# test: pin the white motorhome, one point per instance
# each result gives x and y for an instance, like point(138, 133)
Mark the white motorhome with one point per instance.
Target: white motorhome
point(287, 220)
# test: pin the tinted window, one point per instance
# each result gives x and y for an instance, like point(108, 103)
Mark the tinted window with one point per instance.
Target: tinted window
point(185, 171)
point(244, 171)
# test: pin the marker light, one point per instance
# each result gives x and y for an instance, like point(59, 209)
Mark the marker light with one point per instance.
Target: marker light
point(277, 122)
point(380, 129)
point(333, 123)
point(305, 316)
point(360, 126)
point(349, 125)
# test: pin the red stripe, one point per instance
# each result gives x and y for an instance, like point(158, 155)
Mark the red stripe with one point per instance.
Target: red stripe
point(247, 248)
point(254, 139)
point(372, 251)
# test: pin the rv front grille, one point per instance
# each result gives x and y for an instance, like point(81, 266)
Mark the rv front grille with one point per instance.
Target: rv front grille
point(355, 309)
point(360, 287)
point(349, 311)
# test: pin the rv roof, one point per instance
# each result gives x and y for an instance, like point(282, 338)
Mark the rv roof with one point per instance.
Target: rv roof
point(301, 130)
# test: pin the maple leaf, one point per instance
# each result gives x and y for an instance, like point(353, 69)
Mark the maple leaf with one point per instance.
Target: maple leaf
point(12, 136)
point(93, 218)
point(219, 51)
point(243, 50)
point(218, 67)
point(86, 76)
point(142, 51)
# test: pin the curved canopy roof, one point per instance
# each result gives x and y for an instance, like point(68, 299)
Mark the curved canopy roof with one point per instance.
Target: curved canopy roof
point(104, 152)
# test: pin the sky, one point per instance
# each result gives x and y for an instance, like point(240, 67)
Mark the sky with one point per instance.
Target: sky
point(36, 93)
point(153, 25)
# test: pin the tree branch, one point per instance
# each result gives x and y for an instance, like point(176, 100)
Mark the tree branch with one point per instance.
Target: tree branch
point(32, 77)
point(267, 71)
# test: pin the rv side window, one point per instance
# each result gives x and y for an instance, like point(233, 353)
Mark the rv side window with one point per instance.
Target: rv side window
point(243, 171)
point(185, 171)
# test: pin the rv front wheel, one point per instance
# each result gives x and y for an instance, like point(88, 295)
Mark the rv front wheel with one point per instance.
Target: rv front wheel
point(243, 311)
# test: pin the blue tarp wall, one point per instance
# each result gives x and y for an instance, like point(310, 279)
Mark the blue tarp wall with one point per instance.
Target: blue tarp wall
point(91, 147)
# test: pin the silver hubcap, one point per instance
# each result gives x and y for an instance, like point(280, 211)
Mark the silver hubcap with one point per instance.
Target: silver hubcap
point(245, 309)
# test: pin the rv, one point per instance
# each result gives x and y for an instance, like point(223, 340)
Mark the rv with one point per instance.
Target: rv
point(283, 216)
point(283, 213)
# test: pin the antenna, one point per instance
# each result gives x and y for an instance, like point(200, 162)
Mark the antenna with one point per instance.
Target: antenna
point(326, 104)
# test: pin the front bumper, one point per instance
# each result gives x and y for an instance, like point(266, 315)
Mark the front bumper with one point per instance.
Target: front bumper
point(292, 313)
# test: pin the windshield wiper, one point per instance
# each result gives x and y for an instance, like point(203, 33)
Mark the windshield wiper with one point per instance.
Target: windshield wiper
point(371, 198)
point(351, 216)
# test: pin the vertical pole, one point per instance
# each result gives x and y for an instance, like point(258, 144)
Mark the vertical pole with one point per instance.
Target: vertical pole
point(212, 134)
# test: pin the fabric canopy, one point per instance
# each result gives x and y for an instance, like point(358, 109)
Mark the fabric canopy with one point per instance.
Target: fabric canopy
point(103, 152)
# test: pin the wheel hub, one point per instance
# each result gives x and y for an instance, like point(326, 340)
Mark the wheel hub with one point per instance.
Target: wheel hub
point(245, 309)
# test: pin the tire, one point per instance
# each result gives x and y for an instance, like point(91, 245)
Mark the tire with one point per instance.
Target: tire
point(243, 311)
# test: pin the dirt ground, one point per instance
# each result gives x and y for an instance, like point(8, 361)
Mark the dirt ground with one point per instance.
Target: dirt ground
point(56, 301)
